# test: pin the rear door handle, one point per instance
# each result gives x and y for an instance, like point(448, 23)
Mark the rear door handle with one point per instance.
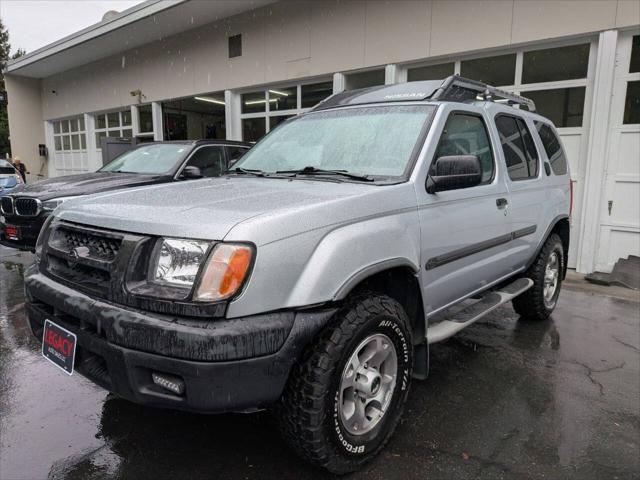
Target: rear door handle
point(501, 203)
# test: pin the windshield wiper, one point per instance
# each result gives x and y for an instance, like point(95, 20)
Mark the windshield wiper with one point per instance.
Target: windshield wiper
point(320, 171)
point(248, 171)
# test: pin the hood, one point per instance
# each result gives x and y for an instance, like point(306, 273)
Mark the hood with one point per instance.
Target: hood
point(208, 209)
point(84, 184)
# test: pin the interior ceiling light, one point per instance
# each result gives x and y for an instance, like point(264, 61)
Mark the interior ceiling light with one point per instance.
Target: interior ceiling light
point(256, 102)
point(277, 92)
point(209, 100)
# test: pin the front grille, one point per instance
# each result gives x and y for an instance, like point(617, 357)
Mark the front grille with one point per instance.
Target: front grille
point(83, 257)
point(97, 246)
point(6, 205)
point(27, 207)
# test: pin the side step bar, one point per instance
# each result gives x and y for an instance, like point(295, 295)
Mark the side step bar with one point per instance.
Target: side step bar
point(449, 323)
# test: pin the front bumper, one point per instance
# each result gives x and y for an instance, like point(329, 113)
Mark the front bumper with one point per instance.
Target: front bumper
point(29, 230)
point(225, 364)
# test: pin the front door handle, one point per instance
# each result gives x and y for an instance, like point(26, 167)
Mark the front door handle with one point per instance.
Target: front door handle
point(501, 203)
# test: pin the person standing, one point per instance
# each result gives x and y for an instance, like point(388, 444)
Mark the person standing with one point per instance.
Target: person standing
point(21, 168)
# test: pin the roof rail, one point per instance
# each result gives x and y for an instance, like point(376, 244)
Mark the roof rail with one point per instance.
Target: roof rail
point(459, 89)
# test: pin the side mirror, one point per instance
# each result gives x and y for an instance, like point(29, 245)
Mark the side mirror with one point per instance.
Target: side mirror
point(454, 172)
point(191, 172)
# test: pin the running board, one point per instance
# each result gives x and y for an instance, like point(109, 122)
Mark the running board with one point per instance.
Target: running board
point(449, 323)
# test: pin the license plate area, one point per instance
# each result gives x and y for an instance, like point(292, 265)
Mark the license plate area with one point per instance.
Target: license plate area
point(12, 232)
point(59, 346)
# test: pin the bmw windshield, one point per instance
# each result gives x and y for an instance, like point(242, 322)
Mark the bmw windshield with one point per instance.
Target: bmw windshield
point(376, 142)
point(159, 158)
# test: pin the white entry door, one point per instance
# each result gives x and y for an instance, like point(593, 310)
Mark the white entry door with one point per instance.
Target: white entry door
point(619, 232)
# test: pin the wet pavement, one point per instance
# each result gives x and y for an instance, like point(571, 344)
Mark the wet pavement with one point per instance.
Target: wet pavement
point(505, 399)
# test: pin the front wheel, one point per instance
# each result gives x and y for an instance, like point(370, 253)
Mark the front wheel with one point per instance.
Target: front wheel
point(344, 400)
point(539, 301)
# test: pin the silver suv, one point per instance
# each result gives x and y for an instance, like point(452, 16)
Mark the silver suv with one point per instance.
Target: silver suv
point(313, 277)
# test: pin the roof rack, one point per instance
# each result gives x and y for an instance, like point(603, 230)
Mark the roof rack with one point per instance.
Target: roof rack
point(459, 89)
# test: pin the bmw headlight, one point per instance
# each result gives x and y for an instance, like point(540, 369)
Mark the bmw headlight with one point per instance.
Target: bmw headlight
point(51, 205)
point(216, 275)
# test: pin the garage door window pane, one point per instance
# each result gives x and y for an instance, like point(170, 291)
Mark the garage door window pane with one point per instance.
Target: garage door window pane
point(563, 106)
point(64, 126)
point(101, 121)
point(314, 93)
point(81, 123)
point(496, 71)
point(113, 119)
point(634, 65)
point(127, 133)
point(632, 103)
point(126, 118)
point(146, 119)
point(66, 142)
point(73, 125)
point(253, 102)
point(552, 148)
point(283, 98)
point(75, 142)
point(58, 142)
point(354, 81)
point(555, 64)
point(253, 129)
point(275, 121)
point(83, 142)
point(56, 127)
point(432, 72)
point(99, 135)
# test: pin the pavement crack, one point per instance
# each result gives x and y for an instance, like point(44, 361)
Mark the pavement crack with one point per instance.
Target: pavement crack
point(621, 342)
point(591, 371)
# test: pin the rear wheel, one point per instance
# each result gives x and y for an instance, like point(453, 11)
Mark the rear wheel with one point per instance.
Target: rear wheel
point(539, 301)
point(345, 398)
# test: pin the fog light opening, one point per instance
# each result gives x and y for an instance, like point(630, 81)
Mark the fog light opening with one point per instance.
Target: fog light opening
point(168, 382)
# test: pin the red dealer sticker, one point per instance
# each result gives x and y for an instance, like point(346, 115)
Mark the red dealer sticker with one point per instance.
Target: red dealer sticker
point(59, 346)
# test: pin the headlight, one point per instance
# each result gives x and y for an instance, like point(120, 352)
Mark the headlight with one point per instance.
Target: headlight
point(176, 262)
point(225, 272)
point(50, 205)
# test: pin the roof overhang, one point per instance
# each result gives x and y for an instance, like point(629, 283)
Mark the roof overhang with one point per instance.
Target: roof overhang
point(139, 25)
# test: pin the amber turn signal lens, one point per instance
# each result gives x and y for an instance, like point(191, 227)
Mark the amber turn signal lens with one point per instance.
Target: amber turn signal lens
point(225, 272)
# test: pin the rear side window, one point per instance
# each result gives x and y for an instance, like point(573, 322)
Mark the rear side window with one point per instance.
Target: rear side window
point(552, 147)
point(517, 145)
point(466, 134)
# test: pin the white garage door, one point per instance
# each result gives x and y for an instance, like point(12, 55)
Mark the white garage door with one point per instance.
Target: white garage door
point(619, 233)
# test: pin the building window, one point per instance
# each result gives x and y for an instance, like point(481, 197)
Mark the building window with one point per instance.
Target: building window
point(563, 106)
point(632, 103)
point(262, 110)
point(634, 63)
point(193, 118)
point(431, 72)
point(70, 135)
point(555, 64)
point(235, 46)
point(113, 124)
point(372, 78)
point(497, 71)
point(145, 118)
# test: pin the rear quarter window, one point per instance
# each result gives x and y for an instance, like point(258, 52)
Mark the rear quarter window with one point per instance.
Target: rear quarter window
point(553, 148)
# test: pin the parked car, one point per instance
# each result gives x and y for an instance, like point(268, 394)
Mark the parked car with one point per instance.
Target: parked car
point(313, 277)
point(10, 178)
point(28, 206)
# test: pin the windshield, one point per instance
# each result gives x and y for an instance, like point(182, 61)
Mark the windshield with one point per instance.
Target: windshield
point(8, 182)
point(375, 141)
point(151, 159)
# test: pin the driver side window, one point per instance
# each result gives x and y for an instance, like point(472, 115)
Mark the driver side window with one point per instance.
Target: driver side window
point(210, 161)
point(466, 134)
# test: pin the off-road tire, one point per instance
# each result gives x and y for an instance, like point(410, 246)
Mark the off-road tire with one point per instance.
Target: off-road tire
point(531, 304)
point(308, 413)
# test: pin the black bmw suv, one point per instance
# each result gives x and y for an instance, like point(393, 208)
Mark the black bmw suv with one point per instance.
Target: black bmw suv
point(23, 212)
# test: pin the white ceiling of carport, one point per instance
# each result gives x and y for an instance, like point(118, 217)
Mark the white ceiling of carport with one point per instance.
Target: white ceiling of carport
point(139, 25)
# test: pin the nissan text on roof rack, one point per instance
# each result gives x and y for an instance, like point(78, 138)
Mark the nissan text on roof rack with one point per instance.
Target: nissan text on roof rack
point(312, 278)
